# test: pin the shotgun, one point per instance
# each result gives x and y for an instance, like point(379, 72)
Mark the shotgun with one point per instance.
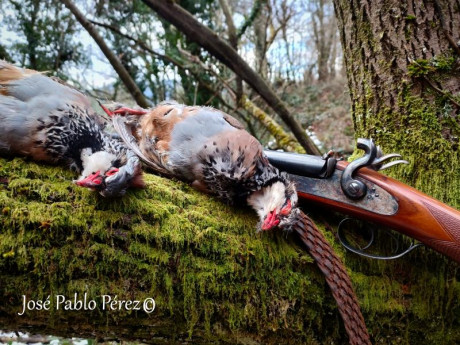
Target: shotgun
point(357, 189)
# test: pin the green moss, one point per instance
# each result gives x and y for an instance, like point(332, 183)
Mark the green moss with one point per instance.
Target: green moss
point(199, 259)
point(420, 67)
point(443, 63)
point(415, 132)
point(420, 124)
point(213, 278)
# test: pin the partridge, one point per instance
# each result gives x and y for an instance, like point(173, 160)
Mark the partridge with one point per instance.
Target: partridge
point(211, 150)
point(49, 121)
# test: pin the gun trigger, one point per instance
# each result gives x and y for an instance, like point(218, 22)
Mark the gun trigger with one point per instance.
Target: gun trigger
point(361, 251)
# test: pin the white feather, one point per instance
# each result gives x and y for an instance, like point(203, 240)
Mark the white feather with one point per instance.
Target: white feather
point(268, 199)
point(98, 161)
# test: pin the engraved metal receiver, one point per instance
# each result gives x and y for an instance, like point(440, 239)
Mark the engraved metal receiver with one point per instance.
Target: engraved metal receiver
point(356, 189)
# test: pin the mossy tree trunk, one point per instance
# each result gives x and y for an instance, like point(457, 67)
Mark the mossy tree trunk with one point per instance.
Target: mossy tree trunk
point(402, 61)
point(213, 278)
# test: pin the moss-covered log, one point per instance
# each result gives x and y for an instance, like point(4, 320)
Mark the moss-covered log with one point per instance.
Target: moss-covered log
point(213, 279)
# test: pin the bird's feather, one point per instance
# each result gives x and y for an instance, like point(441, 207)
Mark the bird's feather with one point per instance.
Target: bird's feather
point(50, 121)
point(119, 123)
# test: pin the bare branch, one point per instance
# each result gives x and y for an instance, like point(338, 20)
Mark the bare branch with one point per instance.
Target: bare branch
point(142, 44)
point(232, 37)
point(113, 59)
point(441, 91)
point(209, 40)
point(284, 140)
point(252, 16)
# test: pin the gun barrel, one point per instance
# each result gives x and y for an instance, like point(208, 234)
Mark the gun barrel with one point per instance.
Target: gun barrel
point(300, 164)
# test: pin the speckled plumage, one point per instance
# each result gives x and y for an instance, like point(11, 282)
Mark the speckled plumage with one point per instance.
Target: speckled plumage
point(52, 122)
point(208, 148)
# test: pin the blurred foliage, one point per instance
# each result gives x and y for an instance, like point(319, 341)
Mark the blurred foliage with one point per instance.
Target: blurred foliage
point(43, 35)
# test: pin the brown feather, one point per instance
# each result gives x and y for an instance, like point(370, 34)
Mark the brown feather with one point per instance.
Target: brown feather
point(9, 72)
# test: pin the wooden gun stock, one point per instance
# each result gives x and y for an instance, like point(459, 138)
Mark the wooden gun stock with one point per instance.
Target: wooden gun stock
point(391, 203)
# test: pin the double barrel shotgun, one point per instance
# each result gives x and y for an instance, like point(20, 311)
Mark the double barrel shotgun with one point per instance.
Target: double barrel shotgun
point(359, 190)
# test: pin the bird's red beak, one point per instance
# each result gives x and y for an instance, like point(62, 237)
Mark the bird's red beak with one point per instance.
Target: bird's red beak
point(92, 181)
point(270, 221)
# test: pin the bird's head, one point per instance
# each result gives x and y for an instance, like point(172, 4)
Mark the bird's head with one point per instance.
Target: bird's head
point(274, 202)
point(103, 172)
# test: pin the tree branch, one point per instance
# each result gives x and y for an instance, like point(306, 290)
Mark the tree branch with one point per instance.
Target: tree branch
point(233, 39)
point(232, 36)
point(113, 59)
point(441, 91)
point(140, 43)
point(210, 41)
point(284, 140)
point(254, 13)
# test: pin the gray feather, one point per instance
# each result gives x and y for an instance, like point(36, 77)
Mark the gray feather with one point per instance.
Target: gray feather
point(15, 125)
point(189, 136)
point(38, 85)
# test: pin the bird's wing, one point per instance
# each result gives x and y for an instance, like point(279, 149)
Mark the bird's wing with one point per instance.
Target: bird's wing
point(30, 101)
point(119, 123)
point(26, 85)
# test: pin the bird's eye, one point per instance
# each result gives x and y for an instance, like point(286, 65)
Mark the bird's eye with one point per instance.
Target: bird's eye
point(168, 111)
point(111, 172)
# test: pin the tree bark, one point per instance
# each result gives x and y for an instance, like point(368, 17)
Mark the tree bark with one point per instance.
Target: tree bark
point(117, 65)
point(233, 40)
point(261, 24)
point(210, 41)
point(402, 62)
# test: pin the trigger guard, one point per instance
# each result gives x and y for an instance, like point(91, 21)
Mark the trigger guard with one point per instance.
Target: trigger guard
point(360, 251)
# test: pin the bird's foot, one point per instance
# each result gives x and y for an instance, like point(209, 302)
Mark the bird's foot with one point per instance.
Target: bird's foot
point(123, 111)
